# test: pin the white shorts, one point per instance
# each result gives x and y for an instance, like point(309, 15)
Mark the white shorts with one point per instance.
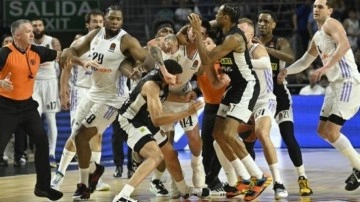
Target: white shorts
point(187, 123)
point(264, 108)
point(92, 114)
point(77, 94)
point(342, 100)
point(139, 136)
point(46, 93)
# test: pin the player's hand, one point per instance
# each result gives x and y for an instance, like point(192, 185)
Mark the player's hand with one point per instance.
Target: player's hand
point(190, 96)
point(195, 22)
point(319, 73)
point(224, 79)
point(281, 76)
point(195, 106)
point(6, 83)
point(88, 64)
point(65, 98)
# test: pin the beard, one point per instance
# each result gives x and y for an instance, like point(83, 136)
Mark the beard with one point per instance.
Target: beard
point(111, 33)
point(39, 35)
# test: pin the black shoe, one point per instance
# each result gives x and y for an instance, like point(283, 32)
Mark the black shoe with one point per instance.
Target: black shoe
point(118, 171)
point(353, 181)
point(94, 177)
point(3, 162)
point(82, 192)
point(19, 162)
point(130, 173)
point(49, 193)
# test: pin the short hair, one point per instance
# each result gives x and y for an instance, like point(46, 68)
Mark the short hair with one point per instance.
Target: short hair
point(247, 21)
point(16, 25)
point(92, 12)
point(173, 67)
point(269, 12)
point(163, 23)
point(232, 10)
point(330, 3)
point(113, 8)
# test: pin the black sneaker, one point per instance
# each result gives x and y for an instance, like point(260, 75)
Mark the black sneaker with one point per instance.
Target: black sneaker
point(217, 189)
point(82, 192)
point(231, 191)
point(130, 173)
point(158, 188)
point(49, 193)
point(353, 181)
point(199, 192)
point(94, 177)
point(118, 171)
point(119, 198)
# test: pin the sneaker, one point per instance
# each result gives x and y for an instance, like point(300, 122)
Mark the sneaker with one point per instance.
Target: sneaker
point(231, 191)
point(174, 191)
point(304, 187)
point(57, 180)
point(119, 198)
point(94, 177)
point(52, 161)
point(199, 192)
point(280, 191)
point(243, 185)
point(118, 171)
point(353, 181)
point(257, 187)
point(218, 190)
point(158, 188)
point(49, 193)
point(102, 186)
point(198, 177)
point(20, 162)
point(82, 192)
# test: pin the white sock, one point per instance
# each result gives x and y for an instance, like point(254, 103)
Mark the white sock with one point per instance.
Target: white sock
point(275, 173)
point(182, 186)
point(52, 131)
point(157, 175)
point(65, 160)
point(196, 159)
point(240, 169)
point(92, 167)
point(127, 190)
point(300, 171)
point(252, 168)
point(96, 156)
point(225, 163)
point(343, 145)
point(84, 176)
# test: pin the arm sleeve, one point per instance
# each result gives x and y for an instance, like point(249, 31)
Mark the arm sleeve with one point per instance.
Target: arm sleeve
point(45, 54)
point(301, 64)
point(261, 63)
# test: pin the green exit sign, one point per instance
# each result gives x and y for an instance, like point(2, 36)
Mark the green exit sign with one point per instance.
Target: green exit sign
point(59, 15)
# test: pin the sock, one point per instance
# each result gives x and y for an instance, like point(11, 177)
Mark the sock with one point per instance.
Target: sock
point(343, 145)
point(84, 176)
point(252, 168)
point(92, 167)
point(182, 186)
point(240, 169)
point(127, 190)
point(196, 159)
point(225, 163)
point(52, 131)
point(275, 173)
point(65, 160)
point(96, 156)
point(157, 175)
point(300, 171)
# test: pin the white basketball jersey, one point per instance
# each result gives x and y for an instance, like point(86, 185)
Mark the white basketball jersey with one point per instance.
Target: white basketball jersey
point(107, 53)
point(345, 69)
point(79, 76)
point(47, 70)
point(264, 75)
point(190, 67)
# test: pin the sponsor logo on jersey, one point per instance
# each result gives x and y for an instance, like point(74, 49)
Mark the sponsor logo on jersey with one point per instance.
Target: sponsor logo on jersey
point(112, 47)
point(226, 61)
point(224, 69)
point(274, 66)
point(32, 61)
point(102, 70)
point(195, 64)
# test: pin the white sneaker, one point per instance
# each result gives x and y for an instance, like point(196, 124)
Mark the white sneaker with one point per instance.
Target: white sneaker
point(174, 191)
point(102, 186)
point(119, 198)
point(158, 188)
point(57, 180)
point(280, 191)
point(198, 177)
point(218, 190)
point(199, 192)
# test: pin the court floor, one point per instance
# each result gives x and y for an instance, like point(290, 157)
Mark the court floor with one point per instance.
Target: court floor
point(326, 169)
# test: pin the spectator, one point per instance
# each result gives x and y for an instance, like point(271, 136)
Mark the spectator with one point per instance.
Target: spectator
point(352, 28)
